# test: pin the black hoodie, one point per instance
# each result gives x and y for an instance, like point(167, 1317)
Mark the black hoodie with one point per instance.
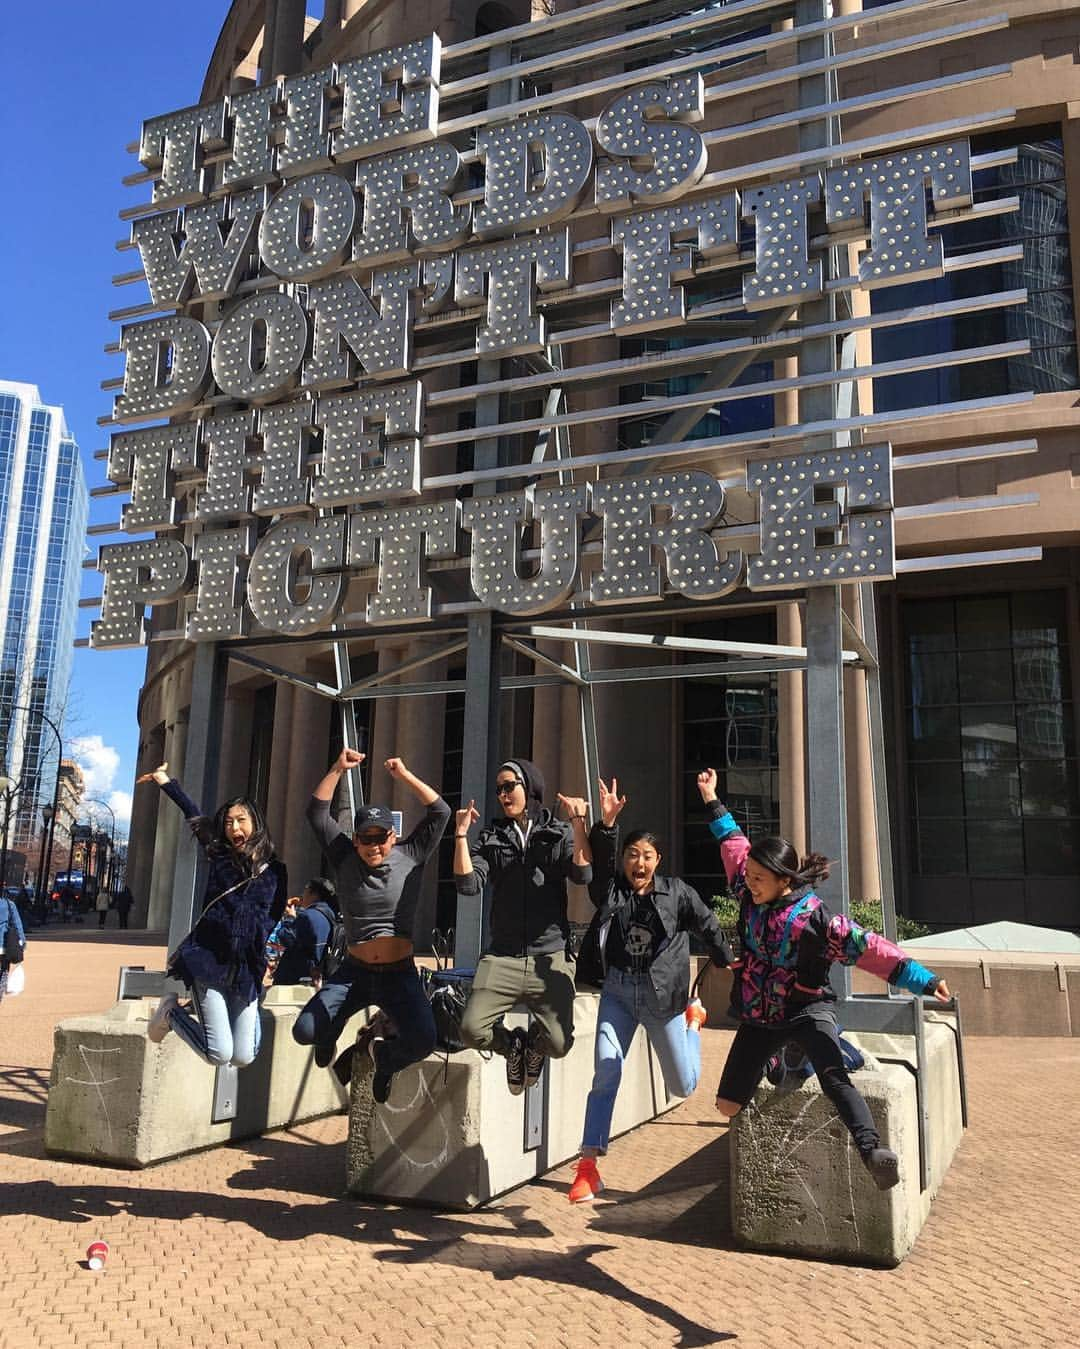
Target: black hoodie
point(528, 908)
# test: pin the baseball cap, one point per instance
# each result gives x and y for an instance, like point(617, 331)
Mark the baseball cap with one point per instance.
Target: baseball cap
point(368, 817)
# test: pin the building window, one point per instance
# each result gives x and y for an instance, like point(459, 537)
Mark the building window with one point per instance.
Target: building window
point(991, 740)
point(1041, 228)
point(729, 723)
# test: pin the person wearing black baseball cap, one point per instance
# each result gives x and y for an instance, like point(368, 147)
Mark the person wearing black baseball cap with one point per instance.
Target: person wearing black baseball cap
point(378, 885)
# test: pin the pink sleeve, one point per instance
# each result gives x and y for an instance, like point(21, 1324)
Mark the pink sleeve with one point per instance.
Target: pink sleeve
point(733, 851)
point(851, 944)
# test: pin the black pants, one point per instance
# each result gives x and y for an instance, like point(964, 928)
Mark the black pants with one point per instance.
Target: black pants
point(395, 988)
point(819, 1037)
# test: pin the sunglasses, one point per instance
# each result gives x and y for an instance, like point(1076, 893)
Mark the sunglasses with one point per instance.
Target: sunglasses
point(376, 837)
point(507, 788)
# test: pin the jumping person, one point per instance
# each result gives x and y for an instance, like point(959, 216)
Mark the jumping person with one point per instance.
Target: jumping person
point(378, 885)
point(643, 920)
point(781, 990)
point(529, 856)
point(222, 960)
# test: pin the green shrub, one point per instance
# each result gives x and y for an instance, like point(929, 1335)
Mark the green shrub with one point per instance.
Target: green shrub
point(865, 912)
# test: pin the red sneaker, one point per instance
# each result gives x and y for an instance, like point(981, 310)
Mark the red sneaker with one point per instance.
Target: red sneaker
point(587, 1183)
point(696, 1016)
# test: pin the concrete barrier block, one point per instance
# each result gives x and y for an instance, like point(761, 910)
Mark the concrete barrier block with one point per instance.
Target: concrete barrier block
point(116, 1098)
point(452, 1135)
point(798, 1184)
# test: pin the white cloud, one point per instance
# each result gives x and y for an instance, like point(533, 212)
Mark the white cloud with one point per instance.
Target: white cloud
point(99, 763)
point(121, 804)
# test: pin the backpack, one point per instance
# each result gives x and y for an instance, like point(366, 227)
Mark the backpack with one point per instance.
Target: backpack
point(447, 990)
point(337, 945)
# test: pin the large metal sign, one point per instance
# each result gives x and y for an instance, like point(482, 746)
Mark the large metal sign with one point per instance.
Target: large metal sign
point(302, 235)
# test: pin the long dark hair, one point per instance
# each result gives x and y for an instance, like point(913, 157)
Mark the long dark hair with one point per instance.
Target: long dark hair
point(259, 847)
point(780, 857)
point(642, 836)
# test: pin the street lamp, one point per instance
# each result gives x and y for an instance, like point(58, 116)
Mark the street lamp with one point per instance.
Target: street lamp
point(97, 801)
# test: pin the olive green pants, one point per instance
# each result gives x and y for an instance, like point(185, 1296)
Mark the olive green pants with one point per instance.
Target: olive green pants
point(543, 985)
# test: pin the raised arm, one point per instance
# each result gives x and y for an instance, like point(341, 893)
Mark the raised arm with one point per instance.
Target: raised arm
point(333, 839)
point(464, 820)
point(176, 793)
point(424, 839)
point(579, 866)
point(734, 845)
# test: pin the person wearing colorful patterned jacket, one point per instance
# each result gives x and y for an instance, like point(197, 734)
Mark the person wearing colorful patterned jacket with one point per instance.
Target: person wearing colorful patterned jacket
point(781, 991)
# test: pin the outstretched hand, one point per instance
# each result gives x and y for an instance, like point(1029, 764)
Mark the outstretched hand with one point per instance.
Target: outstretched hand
point(610, 801)
point(160, 775)
point(465, 818)
point(706, 784)
point(576, 807)
point(942, 991)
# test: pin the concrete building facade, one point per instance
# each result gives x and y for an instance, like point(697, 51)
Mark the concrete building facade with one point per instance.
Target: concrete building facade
point(980, 663)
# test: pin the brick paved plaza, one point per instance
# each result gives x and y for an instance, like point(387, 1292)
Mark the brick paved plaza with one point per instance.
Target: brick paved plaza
point(252, 1244)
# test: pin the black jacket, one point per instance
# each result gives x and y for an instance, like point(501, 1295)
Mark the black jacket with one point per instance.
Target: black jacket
point(681, 911)
point(528, 907)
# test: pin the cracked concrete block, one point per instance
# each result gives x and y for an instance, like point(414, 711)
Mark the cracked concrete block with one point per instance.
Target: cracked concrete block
point(798, 1184)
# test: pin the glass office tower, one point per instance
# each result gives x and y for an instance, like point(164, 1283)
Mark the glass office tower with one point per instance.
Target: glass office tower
point(43, 511)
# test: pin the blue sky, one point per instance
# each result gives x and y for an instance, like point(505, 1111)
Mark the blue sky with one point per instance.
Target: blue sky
point(79, 80)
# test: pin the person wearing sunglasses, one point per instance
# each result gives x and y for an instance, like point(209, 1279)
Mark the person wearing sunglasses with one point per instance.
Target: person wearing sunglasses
point(528, 856)
point(378, 880)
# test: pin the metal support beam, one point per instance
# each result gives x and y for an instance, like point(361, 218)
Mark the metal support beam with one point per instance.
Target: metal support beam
point(480, 751)
point(360, 686)
point(865, 597)
point(209, 674)
point(826, 777)
point(350, 729)
point(660, 642)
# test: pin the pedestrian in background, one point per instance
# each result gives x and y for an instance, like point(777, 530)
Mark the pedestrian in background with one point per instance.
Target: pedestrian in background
point(12, 942)
point(101, 905)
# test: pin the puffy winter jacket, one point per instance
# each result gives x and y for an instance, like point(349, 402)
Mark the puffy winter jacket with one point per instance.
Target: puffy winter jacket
point(788, 946)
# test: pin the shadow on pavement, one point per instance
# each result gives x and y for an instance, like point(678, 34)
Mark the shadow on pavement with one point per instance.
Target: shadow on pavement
point(409, 1235)
point(23, 1093)
point(573, 1268)
point(689, 1205)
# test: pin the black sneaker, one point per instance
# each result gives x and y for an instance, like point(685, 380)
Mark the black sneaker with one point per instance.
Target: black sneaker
point(324, 1052)
point(884, 1165)
point(342, 1069)
point(515, 1063)
point(534, 1065)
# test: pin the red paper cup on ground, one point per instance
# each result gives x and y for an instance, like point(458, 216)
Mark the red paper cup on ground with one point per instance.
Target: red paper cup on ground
point(96, 1254)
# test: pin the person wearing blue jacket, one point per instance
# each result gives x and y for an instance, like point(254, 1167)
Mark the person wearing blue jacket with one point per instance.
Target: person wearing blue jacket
point(303, 943)
point(9, 922)
point(222, 960)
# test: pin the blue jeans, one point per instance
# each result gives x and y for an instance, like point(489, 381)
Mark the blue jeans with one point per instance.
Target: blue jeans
point(396, 989)
point(626, 1002)
point(225, 1028)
